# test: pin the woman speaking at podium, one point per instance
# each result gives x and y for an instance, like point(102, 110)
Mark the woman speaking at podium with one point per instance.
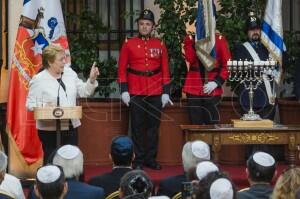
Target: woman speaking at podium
point(58, 85)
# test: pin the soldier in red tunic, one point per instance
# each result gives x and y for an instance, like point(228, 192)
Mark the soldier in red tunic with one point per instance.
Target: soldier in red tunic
point(144, 80)
point(204, 88)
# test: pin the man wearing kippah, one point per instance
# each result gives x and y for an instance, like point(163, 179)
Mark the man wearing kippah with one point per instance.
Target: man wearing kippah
point(144, 79)
point(70, 158)
point(260, 172)
point(9, 183)
point(121, 154)
point(135, 184)
point(192, 154)
point(50, 183)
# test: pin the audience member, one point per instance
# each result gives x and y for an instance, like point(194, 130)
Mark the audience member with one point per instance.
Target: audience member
point(121, 154)
point(201, 170)
point(50, 183)
point(135, 184)
point(192, 154)
point(9, 183)
point(287, 184)
point(260, 171)
point(215, 185)
point(70, 158)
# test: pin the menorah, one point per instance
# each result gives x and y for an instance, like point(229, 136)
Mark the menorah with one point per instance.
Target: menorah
point(251, 74)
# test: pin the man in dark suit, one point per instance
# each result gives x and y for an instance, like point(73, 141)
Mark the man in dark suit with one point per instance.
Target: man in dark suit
point(50, 183)
point(264, 101)
point(254, 50)
point(192, 154)
point(121, 154)
point(260, 172)
point(70, 158)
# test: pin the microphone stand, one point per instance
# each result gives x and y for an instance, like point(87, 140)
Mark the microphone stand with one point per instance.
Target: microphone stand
point(58, 122)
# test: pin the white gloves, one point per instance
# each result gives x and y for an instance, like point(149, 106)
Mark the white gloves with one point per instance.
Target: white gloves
point(209, 87)
point(165, 99)
point(125, 98)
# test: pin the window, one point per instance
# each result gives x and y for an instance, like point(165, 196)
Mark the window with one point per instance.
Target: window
point(117, 15)
point(291, 15)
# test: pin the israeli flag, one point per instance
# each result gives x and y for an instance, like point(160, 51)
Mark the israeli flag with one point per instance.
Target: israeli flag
point(272, 31)
point(205, 33)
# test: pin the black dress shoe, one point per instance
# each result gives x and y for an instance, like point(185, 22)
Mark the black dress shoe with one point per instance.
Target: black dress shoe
point(153, 165)
point(137, 166)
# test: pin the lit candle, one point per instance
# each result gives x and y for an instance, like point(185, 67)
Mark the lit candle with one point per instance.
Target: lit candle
point(262, 63)
point(272, 63)
point(229, 62)
point(256, 63)
point(234, 63)
point(240, 63)
point(267, 63)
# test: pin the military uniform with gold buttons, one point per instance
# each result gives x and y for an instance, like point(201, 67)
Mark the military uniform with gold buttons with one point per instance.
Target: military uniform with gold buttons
point(144, 73)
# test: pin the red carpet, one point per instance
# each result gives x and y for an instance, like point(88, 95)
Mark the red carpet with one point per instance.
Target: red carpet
point(237, 173)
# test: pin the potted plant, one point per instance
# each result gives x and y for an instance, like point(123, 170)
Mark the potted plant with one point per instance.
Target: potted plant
point(103, 117)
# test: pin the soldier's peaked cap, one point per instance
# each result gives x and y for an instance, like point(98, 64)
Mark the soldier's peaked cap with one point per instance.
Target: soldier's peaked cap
point(253, 22)
point(146, 14)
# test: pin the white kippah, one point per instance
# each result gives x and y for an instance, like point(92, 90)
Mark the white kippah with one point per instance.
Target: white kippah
point(68, 152)
point(204, 168)
point(263, 159)
point(221, 189)
point(48, 174)
point(159, 197)
point(201, 150)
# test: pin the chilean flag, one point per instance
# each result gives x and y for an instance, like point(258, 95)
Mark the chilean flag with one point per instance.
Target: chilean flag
point(41, 23)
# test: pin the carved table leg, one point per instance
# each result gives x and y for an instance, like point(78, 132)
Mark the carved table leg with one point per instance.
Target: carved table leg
point(292, 149)
point(216, 147)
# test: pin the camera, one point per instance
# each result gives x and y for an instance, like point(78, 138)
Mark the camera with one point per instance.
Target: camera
point(186, 190)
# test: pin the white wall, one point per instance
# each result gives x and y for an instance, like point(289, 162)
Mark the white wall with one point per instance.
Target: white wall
point(14, 11)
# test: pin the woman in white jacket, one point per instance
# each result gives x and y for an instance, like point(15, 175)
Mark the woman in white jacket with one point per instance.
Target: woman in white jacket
point(58, 81)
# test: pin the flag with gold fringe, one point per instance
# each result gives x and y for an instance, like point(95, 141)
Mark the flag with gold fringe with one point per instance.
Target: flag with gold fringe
point(205, 33)
point(272, 32)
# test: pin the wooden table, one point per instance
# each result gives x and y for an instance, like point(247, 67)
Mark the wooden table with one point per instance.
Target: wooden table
point(225, 134)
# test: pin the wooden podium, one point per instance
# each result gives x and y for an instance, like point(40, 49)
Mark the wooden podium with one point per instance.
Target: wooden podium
point(57, 114)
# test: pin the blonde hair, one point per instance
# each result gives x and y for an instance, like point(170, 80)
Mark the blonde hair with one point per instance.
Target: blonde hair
point(287, 184)
point(49, 54)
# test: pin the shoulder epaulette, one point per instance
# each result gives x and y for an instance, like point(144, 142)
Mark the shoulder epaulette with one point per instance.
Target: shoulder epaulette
point(127, 39)
point(219, 35)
